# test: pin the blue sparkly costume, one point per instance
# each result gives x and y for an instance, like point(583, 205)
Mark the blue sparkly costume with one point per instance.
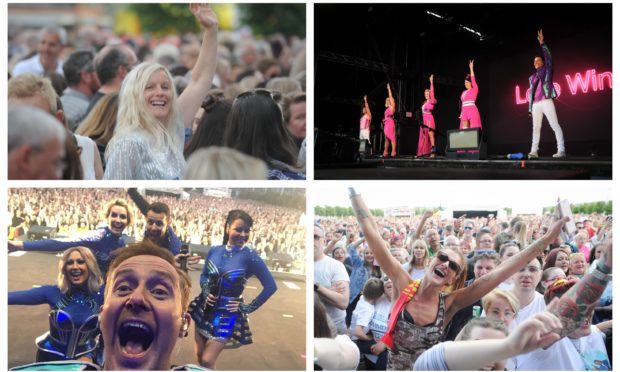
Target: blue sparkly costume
point(101, 242)
point(224, 275)
point(74, 321)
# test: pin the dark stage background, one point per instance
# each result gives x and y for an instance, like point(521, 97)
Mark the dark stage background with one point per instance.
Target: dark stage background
point(359, 47)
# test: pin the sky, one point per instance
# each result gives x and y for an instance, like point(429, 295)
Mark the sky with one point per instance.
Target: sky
point(522, 197)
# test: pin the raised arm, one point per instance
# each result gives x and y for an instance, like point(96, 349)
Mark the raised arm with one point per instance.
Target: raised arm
point(488, 282)
point(579, 302)
point(432, 100)
point(474, 85)
point(141, 203)
point(392, 102)
point(204, 69)
point(545, 49)
point(368, 113)
point(356, 260)
point(418, 230)
point(389, 264)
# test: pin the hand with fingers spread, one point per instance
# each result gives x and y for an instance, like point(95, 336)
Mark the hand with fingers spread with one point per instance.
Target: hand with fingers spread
point(204, 14)
point(541, 39)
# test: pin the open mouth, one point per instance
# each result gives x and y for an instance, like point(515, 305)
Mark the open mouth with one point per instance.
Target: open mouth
point(135, 338)
point(118, 225)
point(76, 274)
point(158, 103)
point(437, 271)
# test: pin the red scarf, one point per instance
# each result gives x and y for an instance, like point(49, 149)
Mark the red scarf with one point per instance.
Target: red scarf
point(405, 296)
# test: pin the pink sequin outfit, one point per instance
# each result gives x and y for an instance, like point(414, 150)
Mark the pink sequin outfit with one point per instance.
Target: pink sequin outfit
point(469, 111)
point(424, 140)
point(388, 124)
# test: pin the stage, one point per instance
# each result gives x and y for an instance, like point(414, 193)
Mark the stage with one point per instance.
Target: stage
point(493, 168)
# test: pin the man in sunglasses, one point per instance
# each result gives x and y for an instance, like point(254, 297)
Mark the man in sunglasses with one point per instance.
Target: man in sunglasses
point(158, 229)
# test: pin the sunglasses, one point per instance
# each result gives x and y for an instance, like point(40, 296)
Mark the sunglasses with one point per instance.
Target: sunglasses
point(443, 257)
point(531, 269)
point(317, 237)
point(79, 261)
point(157, 223)
point(122, 216)
point(274, 95)
point(468, 228)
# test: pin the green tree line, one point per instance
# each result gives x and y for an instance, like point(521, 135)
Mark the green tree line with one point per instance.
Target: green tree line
point(603, 207)
point(328, 211)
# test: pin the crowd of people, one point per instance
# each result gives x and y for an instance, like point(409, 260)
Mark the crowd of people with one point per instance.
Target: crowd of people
point(122, 305)
point(220, 105)
point(402, 293)
point(198, 220)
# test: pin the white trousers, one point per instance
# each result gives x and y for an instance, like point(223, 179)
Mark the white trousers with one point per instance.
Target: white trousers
point(365, 134)
point(547, 108)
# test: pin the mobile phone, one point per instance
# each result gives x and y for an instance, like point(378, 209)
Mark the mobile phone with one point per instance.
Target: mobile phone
point(565, 211)
point(183, 260)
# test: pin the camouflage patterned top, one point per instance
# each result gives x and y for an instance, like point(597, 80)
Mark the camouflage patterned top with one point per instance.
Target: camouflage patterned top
point(411, 340)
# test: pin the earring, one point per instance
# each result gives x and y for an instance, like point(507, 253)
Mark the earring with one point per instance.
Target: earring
point(184, 326)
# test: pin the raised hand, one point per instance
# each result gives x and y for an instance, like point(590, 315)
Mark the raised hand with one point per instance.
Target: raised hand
point(431, 78)
point(471, 64)
point(541, 39)
point(204, 14)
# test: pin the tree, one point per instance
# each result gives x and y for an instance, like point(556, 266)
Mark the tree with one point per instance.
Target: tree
point(164, 18)
point(266, 19)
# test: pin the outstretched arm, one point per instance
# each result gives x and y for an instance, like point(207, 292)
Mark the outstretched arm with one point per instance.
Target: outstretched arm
point(533, 333)
point(204, 70)
point(418, 230)
point(141, 203)
point(392, 102)
point(387, 262)
point(432, 100)
point(367, 108)
point(579, 302)
point(488, 282)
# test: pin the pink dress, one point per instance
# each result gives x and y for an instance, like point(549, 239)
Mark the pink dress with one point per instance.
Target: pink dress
point(469, 111)
point(424, 140)
point(388, 124)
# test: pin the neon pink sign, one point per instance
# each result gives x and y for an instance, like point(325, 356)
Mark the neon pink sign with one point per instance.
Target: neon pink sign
point(590, 81)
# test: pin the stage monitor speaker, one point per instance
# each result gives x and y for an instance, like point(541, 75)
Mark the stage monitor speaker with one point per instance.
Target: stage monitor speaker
point(330, 148)
point(41, 232)
point(466, 144)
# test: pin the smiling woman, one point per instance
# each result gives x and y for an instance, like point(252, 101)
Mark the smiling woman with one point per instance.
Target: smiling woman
point(149, 135)
point(74, 304)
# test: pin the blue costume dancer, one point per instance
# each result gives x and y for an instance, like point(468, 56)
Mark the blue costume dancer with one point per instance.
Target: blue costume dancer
point(224, 276)
point(74, 303)
point(219, 312)
point(101, 241)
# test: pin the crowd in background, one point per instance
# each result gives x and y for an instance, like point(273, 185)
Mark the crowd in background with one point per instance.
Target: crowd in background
point(198, 220)
point(218, 105)
point(485, 243)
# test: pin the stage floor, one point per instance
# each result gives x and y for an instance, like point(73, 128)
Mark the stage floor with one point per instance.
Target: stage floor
point(407, 167)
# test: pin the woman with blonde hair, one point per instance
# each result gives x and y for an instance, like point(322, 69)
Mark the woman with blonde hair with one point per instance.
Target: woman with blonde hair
point(99, 124)
point(419, 259)
point(74, 301)
point(424, 307)
point(501, 305)
point(150, 128)
point(222, 163)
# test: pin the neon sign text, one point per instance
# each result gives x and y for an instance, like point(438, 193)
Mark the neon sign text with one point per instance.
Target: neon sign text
point(590, 81)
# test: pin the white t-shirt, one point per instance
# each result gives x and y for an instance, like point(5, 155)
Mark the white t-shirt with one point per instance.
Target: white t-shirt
point(416, 274)
point(328, 271)
point(362, 315)
point(379, 322)
point(536, 306)
point(586, 353)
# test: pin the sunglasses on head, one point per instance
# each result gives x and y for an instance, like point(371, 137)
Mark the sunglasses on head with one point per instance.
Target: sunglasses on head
point(274, 95)
point(443, 257)
point(122, 216)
